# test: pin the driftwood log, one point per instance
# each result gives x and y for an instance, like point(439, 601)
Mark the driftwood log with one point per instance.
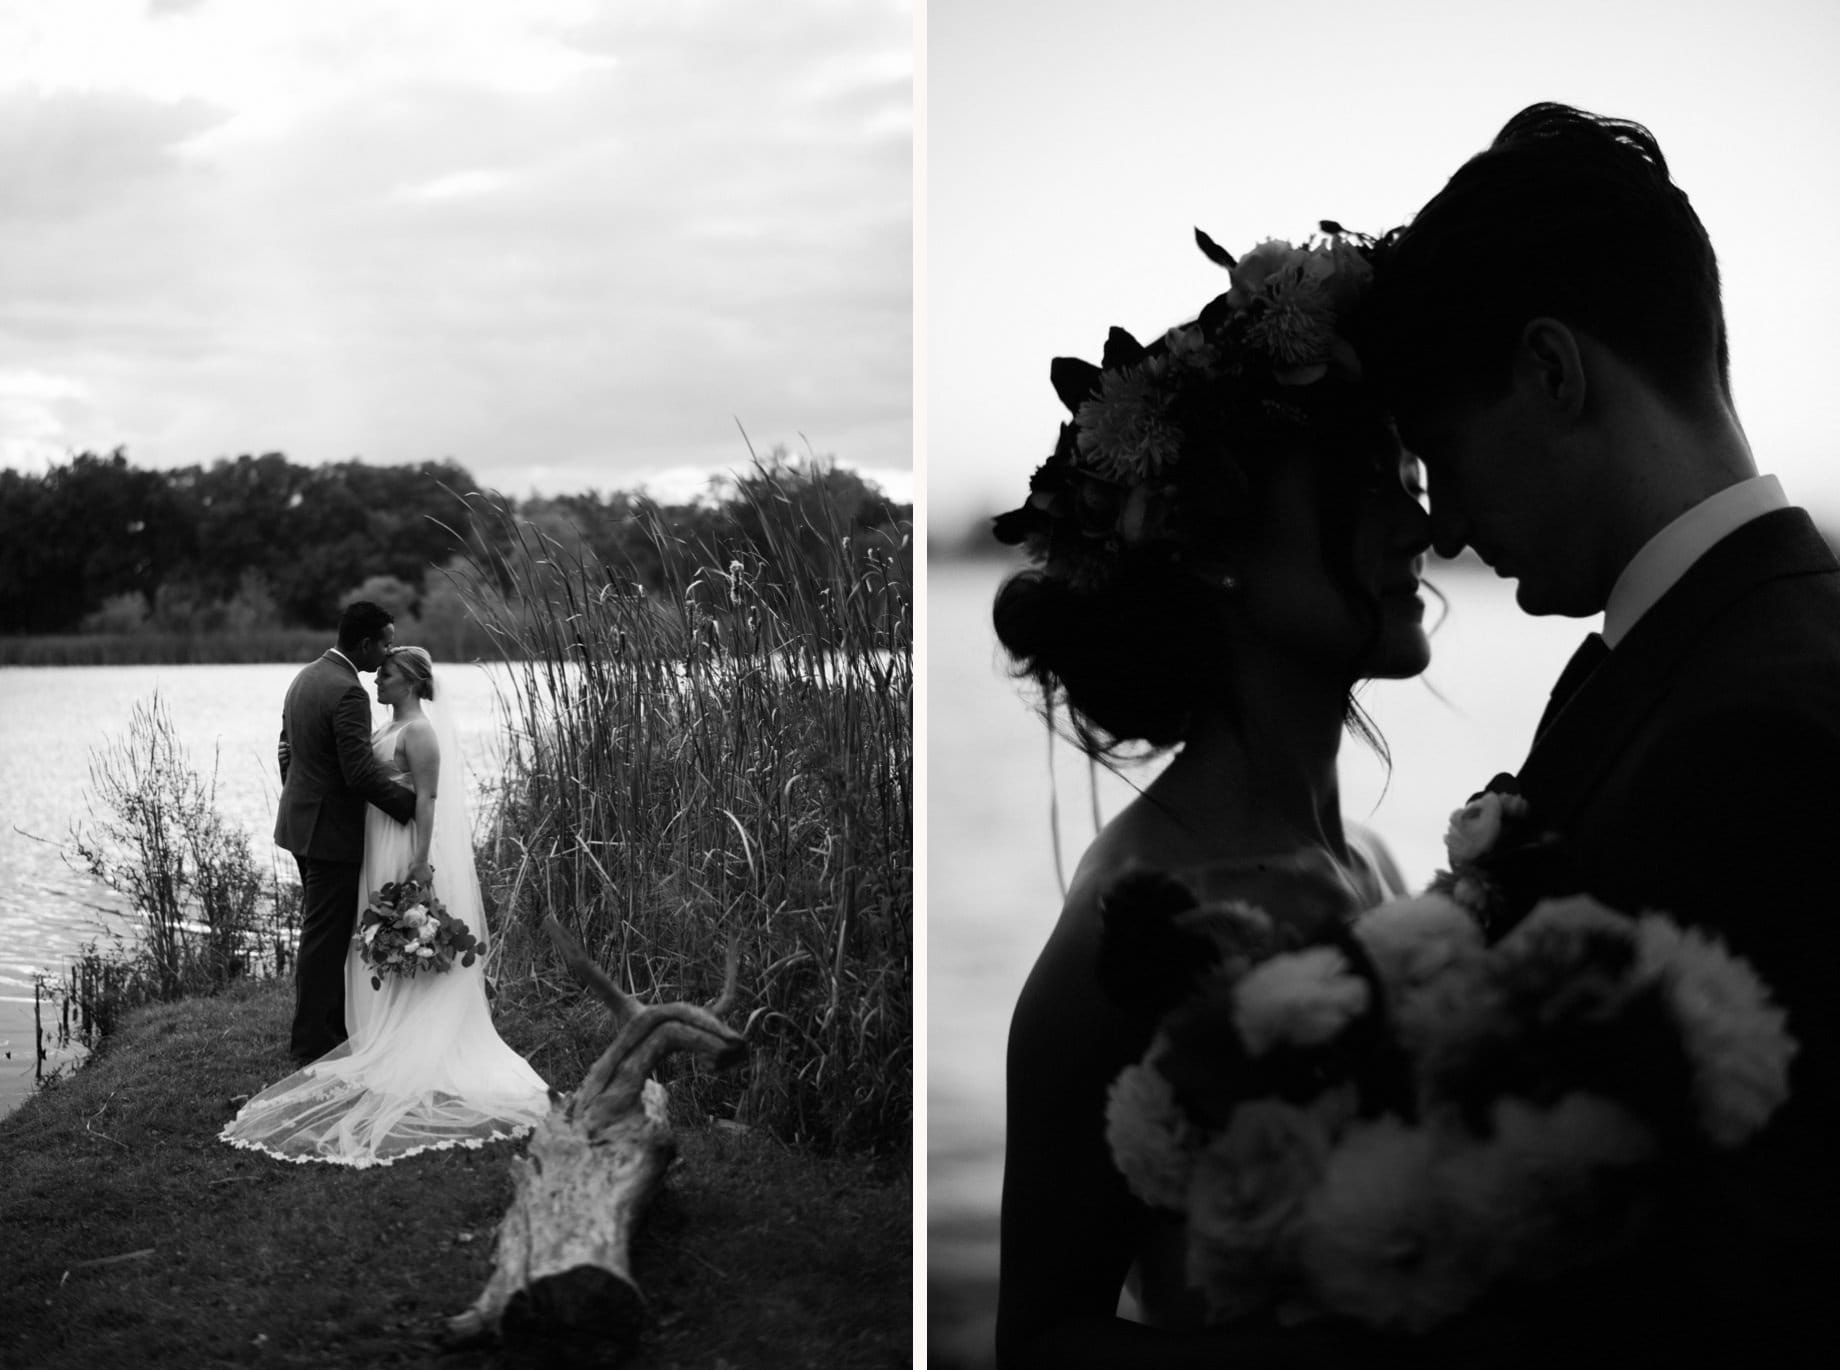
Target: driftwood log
point(563, 1264)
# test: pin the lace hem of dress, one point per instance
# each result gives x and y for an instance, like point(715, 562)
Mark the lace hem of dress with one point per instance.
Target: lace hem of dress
point(368, 1162)
point(322, 1113)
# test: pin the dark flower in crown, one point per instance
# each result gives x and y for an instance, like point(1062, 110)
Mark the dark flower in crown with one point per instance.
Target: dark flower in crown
point(1147, 459)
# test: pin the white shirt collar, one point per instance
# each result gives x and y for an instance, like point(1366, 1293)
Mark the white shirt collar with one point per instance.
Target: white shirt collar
point(1668, 555)
point(342, 657)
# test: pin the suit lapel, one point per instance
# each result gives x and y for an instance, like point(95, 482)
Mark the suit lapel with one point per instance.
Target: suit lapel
point(1591, 654)
point(1587, 734)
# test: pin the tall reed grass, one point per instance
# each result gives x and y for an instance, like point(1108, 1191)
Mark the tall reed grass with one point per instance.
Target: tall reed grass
point(730, 758)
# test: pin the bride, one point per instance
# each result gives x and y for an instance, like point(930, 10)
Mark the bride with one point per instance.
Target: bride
point(423, 1067)
point(1226, 540)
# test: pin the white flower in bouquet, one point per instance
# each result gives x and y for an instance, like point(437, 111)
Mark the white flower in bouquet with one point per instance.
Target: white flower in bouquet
point(1552, 1183)
point(370, 933)
point(1428, 952)
point(427, 930)
point(415, 915)
point(1571, 958)
point(1413, 941)
point(1250, 1184)
point(1151, 1139)
point(1383, 1240)
point(1737, 1040)
point(1561, 927)
point(424, 951)
point(1301, 997)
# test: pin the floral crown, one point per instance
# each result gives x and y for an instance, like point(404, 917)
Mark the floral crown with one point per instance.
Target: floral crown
point(1147, 461)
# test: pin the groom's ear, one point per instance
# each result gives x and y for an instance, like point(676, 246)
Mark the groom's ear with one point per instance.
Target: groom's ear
point(1551, 361)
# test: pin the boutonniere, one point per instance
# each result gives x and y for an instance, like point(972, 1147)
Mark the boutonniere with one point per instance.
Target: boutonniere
point(1502, 861)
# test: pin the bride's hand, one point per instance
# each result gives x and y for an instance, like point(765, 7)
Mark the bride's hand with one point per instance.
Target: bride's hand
point(422, 874)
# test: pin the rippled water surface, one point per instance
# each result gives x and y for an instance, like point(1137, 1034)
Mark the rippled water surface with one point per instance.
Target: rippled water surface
point(992, 894)
point(50, 720)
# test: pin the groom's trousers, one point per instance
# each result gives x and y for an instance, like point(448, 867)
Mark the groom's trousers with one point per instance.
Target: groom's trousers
point(328, 913)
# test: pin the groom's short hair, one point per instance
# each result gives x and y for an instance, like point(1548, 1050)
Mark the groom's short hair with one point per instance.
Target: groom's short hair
point(360, 620)
point(1567, 215)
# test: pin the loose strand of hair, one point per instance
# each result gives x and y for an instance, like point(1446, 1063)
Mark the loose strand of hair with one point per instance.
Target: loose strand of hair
point(1054, 801)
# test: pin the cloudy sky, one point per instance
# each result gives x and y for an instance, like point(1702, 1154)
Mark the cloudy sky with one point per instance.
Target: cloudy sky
point(1074, 144)
point(567, 244)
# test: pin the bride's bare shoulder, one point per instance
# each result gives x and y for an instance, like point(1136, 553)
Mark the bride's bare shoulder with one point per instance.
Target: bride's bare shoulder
point(1101, 886)
point(420, 726)
point(1303, 889)
point(419, 741)
point(1219, 868)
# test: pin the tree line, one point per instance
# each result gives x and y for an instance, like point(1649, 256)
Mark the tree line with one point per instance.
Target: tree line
point(99, 545)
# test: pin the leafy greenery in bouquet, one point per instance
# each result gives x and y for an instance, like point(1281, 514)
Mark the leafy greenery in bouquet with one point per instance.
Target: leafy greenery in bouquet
point(404, 930)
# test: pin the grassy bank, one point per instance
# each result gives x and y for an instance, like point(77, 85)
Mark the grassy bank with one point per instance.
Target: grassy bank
point(133, 1236)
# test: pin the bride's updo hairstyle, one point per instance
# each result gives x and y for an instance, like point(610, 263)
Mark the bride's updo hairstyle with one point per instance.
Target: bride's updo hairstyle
point(1133, 524)
point(415, 663)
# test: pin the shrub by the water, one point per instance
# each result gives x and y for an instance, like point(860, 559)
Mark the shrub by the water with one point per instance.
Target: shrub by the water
point(203, 914)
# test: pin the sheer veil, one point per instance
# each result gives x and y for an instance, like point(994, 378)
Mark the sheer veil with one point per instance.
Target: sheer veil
point(423, 1067)
point(451, 852)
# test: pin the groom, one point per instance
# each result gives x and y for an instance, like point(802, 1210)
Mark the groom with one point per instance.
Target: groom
point(328, 775)
point(1551, 330)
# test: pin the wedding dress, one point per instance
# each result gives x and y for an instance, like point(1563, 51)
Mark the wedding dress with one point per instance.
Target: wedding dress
point(423, 1068)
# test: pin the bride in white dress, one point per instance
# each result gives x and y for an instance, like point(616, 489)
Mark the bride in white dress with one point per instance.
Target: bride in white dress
point(423, 1067)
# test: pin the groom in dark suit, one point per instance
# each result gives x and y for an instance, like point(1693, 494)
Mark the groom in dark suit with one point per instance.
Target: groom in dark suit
point(328, 775)
point(1551, 330)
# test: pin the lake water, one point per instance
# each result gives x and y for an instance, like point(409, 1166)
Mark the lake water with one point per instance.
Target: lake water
point(50, 720)
point(992, 894)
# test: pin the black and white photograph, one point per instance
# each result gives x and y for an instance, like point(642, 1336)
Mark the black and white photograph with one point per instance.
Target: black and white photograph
point(457, 683)
point(1383, 666)
point(588, 588)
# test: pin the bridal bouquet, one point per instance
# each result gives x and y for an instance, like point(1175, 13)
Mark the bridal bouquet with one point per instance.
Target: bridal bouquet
point(404, 930)
point(1389, 1122)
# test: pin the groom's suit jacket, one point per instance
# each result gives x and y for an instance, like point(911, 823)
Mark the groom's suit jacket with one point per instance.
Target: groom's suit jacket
point(328, 773)
point(1697, 772)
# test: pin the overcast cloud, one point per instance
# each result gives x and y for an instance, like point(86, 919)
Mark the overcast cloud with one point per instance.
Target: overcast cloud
point(566, 244)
